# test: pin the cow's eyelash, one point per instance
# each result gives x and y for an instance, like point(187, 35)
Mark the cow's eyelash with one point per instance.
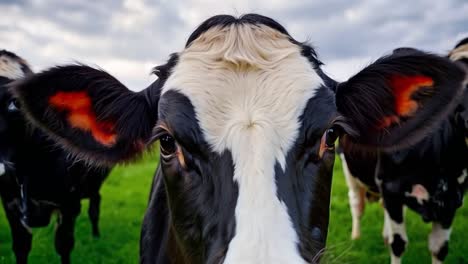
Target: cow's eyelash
point(158, 132)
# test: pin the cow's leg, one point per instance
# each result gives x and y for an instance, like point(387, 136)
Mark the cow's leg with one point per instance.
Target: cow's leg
point(386, 228)
point(93, 212)
point(397, 239)
point(356, 196)
point(22, 238)
point(64, 235)
point(438, 242)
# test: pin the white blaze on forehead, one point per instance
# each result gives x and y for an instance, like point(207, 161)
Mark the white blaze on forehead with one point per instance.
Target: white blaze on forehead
point(249, 86)
point(10, 68)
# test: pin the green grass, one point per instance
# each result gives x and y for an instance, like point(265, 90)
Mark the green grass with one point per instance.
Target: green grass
point(124, 199)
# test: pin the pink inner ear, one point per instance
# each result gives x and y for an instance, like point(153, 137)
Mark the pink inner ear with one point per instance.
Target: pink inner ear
point(403, 89)
point(82, 116)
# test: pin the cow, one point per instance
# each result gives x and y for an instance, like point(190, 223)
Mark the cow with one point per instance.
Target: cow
point(39, 178)
point(428, 177)
point(246, 121)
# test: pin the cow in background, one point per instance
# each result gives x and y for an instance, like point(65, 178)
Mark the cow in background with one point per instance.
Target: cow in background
point(429, 177)
point(38, 177)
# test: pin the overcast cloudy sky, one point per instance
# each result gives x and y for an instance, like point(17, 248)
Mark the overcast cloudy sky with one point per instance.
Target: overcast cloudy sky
point(129, 37)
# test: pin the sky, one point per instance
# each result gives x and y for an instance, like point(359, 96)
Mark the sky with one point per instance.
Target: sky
point(128, 38)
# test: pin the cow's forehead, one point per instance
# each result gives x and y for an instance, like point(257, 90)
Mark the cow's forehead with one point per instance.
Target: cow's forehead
point(249, 85)
point(243, 76)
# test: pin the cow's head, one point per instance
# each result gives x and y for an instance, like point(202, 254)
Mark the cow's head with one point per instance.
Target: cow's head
point(247, 122)
point(15, 138)
point(12, 68)
point(460, 54)
point(13, 129)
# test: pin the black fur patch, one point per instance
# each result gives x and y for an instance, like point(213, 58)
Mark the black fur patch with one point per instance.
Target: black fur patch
point(4, 81)
point(227, 20)
point(443, 252)
point(398, 245)
point(197, 202)
point(163, 71)
point(462, 42)
point(177, 112)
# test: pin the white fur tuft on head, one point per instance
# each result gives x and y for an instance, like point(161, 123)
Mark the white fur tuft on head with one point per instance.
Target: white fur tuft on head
point(13, 67)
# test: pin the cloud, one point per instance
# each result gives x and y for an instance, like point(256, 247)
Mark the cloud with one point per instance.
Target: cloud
point(129, 37)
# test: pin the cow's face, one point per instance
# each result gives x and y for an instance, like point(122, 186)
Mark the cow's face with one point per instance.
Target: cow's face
point(242, 122)
point(12, 68)
point(246, 122)
point(8, 115)
point(13, 129)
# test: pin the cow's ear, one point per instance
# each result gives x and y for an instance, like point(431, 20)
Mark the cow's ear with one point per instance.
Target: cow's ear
point(398, 99)
point(88, 112)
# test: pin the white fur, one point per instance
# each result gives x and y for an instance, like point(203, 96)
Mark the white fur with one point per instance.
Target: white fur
point(394, 259)
point(459, 53)
point(10, 68)
point(399, 229)
point(2, 169)
point(249, 85)
point(437, 238)
point(386, 231)
point(435, 260)
point(356, 200)
point(396, 228)
point(462, 177)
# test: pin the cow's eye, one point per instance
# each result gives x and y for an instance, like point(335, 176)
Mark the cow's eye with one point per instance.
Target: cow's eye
point(330, 137)
point(13, 105)
point(168, 145)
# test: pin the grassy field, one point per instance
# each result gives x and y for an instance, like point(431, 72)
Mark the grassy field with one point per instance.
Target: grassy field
point(125, 196)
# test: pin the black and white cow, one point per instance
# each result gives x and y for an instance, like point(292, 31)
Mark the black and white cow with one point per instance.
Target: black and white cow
point(429, 177)
point(246, 121)
point(39, 178)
